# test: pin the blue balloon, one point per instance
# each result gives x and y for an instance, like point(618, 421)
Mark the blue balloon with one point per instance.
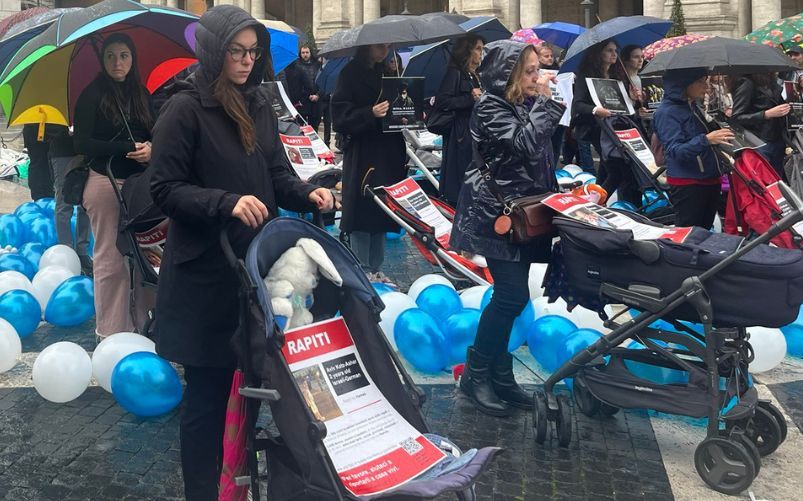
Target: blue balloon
point(576, 341)
point(48, 205)
point(43, 230)
point(12, 231)
point(28, 217)
point(17, 262)
point(624, 205)
point(28, 207)
point(420, 341)
point(460, 330)
point(546, 339)
point(653, 201)
point(394, 236)
point(381, 288)
point(146, 385)
point(32, 251)
point(654, 373)
point(794, 339)
point(22, 310)
point(440, 301)
point(72, 303)
point(521, 327)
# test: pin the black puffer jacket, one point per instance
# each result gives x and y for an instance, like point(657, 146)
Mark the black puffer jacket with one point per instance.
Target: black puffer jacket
point(750, 101)
point(514, 141)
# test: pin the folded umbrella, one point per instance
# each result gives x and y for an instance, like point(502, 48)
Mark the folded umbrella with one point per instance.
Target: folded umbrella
point(559, 34)
point(45, 77)
point(780, 31)
point(725, 56)
point(430, 61)
point(625, 30)
point(398, 30)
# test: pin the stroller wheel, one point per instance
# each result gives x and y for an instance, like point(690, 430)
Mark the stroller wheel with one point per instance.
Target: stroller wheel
point(539, 417)
point(725, 465)
point(586, 402)
point(746, 443)
point(563, 423)
point(764, 431)
point(607, 410)
point(777, 414)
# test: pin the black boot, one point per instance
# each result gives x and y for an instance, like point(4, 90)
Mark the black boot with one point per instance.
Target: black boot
point(476, 384)
point(505, 385)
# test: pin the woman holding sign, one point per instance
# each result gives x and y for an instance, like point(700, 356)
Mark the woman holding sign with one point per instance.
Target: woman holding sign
point(511, 126)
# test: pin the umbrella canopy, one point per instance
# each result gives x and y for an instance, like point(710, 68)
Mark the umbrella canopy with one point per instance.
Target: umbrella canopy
point(526, 35)
point(45, 77)
point(398, 30)
point(626, 30)
point(775, 33)
point(16, 34)
point(430, 61)
point(558, 33)
point(327, 78)
point(7, 23)
point(724, 56)
point(670, 43)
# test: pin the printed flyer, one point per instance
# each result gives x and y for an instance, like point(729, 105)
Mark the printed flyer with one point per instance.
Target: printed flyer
point(611, 95)
point(602, 217)
point(280, 101)
point(794, 97)
point(370, 444)
point(319, 147)
point(653, 89)
point(405, 96)
point(302, 156)
point(636, 144)
point(152, 243)
point(410, 196)
point(784, 206)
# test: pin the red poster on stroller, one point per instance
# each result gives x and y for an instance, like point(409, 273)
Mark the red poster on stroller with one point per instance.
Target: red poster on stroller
point(412, 198)
point(372, 447)
point(784, 206)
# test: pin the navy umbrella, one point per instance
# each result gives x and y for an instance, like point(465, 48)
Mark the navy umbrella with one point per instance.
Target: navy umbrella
point(559, 34)
point(327, 78)
point(430, 61)
point(625, 30)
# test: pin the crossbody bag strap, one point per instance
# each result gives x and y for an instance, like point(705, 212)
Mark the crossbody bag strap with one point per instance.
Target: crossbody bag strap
point(122, 115)
point(494, 188)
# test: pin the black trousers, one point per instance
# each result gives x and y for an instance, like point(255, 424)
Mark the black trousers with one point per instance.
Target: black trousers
point(510, 296)
point(695, 204)
point(40, 176)
point(326, 109)
point(619, 177)
point(202, 426)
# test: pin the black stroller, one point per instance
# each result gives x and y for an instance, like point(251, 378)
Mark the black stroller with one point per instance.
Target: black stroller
point(720, 280)
point(298, 465)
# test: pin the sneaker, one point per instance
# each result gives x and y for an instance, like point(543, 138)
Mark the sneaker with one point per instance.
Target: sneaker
point(87, 267)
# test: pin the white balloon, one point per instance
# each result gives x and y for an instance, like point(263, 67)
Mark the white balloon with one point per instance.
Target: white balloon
point(535, 279)
point(113, 349)
point(45, 282)
point(472, 297)
point(769, 348)
point(10, 346)
point(584, 318)
point(62, 371)
point(425, 281)
point(585, 177)
point(395, 304)
point(61, 255)
point(573, 169)
point(542, 307)
point(11, 280)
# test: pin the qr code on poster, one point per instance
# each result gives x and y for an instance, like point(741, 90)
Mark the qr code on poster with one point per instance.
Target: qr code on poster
point(410, 446)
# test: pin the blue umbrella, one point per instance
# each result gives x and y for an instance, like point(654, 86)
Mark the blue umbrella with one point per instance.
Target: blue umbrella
point(626, 30)
point(430, 61)
point(558, 33)
point(283, 48)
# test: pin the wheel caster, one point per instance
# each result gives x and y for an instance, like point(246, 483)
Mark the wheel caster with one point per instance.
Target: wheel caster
point(765, 431)
point(607, 410)
point(539, 417)
point(777, 414)
point(746, 443)
point(587, 403)
point(725, 465)
point(563, 423)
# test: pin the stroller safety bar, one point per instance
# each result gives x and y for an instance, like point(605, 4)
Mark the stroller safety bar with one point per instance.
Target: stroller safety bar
point(423, 168)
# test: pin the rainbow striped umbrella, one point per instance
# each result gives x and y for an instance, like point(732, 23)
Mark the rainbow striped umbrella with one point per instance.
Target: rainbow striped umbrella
point(665, 44)
point(781, 31)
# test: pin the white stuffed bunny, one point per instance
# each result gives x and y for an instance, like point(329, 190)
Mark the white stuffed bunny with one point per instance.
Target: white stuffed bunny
point(294, 276)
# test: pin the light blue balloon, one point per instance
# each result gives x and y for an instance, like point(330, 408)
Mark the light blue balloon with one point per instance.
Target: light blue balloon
point(146, 385)
point(43, 230)
point(794, 339)
point(29, 217)
point(27, 207)
point(562, 173)
point(653, 201)
point(440, 301)
point(546, 339)
point(420, 341)
point(521, 327)
point(17, 262)
point(575, 342)
point(32, 251)
point(48, 205)
point(72, 303)
point(394, 236)
point(22, 310)
point(381, 288)
point(654, 373)
point(461, 330)
point(624, 205)
point(12, 231)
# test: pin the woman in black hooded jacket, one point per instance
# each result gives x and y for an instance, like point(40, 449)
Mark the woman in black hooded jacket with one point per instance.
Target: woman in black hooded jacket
point(216, 158)
point(511, 126)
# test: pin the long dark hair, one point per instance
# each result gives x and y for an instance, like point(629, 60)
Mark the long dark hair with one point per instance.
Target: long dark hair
point(129, 93)
point(234, 104)
point(591, 65)
point(462, 50)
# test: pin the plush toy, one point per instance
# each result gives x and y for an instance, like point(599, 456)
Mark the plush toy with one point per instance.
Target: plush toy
point(293, 277)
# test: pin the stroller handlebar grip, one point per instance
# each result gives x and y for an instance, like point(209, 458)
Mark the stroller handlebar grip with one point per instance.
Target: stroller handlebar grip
point(225, 244)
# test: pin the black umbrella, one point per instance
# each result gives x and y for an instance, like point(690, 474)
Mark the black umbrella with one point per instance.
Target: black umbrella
point(400, 31)
point(726, 56)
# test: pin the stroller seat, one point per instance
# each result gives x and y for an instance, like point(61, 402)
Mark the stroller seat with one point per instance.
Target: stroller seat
point(299, 464)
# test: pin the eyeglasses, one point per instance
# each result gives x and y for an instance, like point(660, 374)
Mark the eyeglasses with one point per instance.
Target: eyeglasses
point(237, 53)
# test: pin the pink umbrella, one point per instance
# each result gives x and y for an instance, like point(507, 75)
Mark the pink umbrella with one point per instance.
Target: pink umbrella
point(526, 35)
point(665, 44)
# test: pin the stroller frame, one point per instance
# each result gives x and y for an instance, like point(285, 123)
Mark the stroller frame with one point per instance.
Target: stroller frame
point(549, 407)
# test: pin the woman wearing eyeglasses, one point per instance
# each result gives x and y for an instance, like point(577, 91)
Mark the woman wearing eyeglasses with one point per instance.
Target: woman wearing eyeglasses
point(216, 160)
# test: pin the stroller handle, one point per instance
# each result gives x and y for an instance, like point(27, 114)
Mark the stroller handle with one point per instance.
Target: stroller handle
point(225, 244)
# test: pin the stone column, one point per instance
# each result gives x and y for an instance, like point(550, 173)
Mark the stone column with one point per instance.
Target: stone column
point(370, 10)
point(531, 12)
point(170, 3)
point(654, 8)
point(335, 15)
point(765, 11)
point(258, 9)
point(745, 16)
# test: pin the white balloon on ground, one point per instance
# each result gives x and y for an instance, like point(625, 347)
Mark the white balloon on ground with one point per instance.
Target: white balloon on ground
point(535, 279)
point(61, 255)
point(769, 348)
point(13, 280)
point(10, 346)
point(425, 281)
point(62, 371)
point(395, 304)
point(573, 169)
point(113, 349)
point(46, 280)
point(472, 297)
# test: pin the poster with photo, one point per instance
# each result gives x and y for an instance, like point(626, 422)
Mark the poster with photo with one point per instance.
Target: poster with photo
point(280, 101)
point(405, 95)
point(371, 446)
point(412, 198)
point(320, 148)
point(743, 139)
point(611, 95)
point(653, 89)
point(301, 155)
point(152, 242)
point(794, 96)
point(638, 146)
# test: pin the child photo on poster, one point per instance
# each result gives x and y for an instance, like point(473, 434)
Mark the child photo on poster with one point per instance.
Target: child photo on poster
point(406, 98)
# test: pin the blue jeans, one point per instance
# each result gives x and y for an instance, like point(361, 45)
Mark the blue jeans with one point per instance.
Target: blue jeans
point(509, 298)
point(586, 158)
